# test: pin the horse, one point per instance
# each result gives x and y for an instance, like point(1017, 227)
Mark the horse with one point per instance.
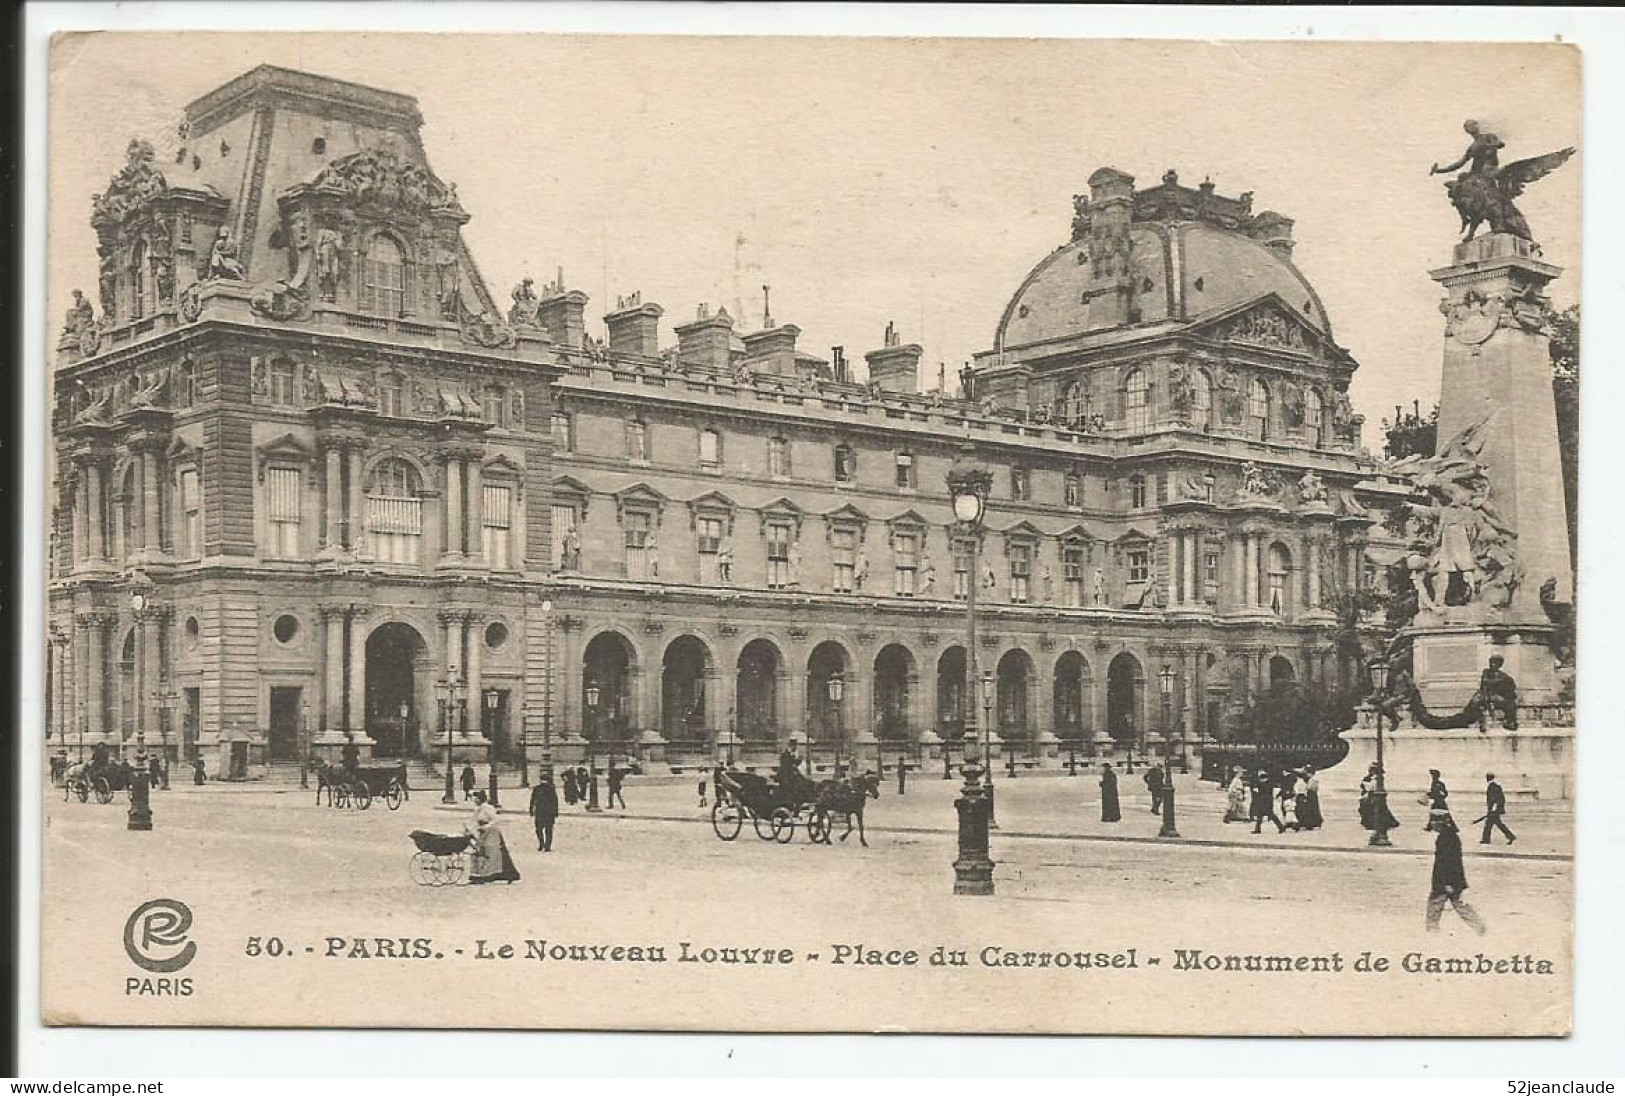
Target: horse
point(330, 779)
point(847, 798)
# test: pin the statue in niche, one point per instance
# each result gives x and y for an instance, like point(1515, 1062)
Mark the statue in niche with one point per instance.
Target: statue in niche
point(329, 256)
point(223, 262)
point(725, 561)
point(570, 550)
point(1049, 586)
point(860, 571)
point(1100, 586)
point(928, 575)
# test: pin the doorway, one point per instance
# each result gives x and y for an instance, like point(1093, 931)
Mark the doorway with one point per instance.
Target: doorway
point(283, 739)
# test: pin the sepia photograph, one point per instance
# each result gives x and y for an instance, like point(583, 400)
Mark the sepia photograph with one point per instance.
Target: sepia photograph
point(797, 534)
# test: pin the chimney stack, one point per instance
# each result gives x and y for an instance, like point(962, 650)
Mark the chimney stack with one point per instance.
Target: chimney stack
point(1274, 231)
point(1111, 205)
point(706, 342)
point(895, 367)
point(634, 327)
point(772, 351)
point(564, 314)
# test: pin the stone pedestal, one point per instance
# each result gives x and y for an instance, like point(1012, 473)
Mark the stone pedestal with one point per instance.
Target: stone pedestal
point(1448, 659)
point(1533, 761)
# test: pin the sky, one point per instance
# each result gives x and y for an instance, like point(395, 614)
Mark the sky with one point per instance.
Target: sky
point(876, 180)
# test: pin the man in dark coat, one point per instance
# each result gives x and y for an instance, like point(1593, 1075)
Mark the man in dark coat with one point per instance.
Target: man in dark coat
point(1263, 805)
point(469, 780)
point(902, 775)
point(1495, 807)
point(617, 777)
point(1110, 810)
point(1497, 692)
point(350, 755)
point(1153, 783)
point(1449, 878)
point(544, 810)
point(581, 782)
point(1437, 798)
point(569, 782)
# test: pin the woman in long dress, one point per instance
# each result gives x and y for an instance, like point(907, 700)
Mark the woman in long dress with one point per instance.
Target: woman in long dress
point(490, 862)
point(1236, 790)
point(1288, 803)
point(1309, 816)
point(1110, 809)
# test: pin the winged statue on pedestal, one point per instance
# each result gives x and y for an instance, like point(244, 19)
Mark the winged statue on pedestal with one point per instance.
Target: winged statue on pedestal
point(1484, 192)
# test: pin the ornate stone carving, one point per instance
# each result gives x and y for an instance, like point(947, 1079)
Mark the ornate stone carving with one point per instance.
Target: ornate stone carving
point(485, 330)
point(135, 184)
point(380, 178)
point(223, 263)
point(1267, 327)
point(79, 325)
point(191, 304)
point(1311, 489)
point(525, 303)
point(1255, 483)
point(97, 404)
point(1232, 404)
point(279, 301)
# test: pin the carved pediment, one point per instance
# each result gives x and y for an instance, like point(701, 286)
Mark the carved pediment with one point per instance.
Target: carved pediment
point(639, 496)
point(908, 519)
point(711, 504)
point(847, 517)
point(1270, 322)
point(381, 180)
point(285, 449)
point(1021, 532)
point(502, 465)
point(783, 510)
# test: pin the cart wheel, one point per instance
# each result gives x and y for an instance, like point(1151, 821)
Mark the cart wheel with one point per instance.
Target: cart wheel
point(104, 791)
point(455, 870)
point(726, 820)
point(393, 795)
point(363, 797)
point(765, 825)
point(784, 825)
point(421, 869)
point(817, 826)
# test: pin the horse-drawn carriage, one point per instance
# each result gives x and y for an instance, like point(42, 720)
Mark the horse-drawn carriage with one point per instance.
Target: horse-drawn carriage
point(774, 809)
point(99, 778)
point(358, 787)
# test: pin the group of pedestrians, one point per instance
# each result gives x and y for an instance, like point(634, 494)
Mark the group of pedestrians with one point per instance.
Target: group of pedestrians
point(1289, 798)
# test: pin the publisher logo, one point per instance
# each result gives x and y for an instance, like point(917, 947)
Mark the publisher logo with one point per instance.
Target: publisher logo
point(155, 936)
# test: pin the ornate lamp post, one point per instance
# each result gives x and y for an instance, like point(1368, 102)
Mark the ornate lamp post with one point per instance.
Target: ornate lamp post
point(488, 715)
point(968, 487)
point(1379, 791)
point(442, 699)
point(592, 695)
point(1165, 685)
point(836, 684)
point(987, 745)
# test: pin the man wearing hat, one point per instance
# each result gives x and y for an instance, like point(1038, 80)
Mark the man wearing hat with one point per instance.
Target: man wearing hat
point(1437, 798)
point(1495, 806)
point(544, 809)
point(1449, 877)
point(789, 765)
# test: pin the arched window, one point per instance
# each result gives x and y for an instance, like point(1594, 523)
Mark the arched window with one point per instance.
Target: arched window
point(1075, 404)
point(383, 278)
point(1280, 565)
point(1202, 400)
point(1258, 410)
point(1136, 405)
point(395, 513)
point(1313, 416)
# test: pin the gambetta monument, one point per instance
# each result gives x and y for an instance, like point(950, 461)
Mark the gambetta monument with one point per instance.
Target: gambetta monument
point(1488, 540)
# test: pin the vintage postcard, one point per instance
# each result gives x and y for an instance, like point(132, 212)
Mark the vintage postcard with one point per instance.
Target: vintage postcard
point(811, 534)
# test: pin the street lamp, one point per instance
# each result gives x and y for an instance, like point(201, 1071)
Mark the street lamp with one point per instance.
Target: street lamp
point(592, 695)
point(968, 486)
point(488, 728)
point(166, 697)
point(547, 694)
point(836, 684)
point(987, 745)
point(138, 609)
point(1379, 791)
point(1165, 683)
point(442, 699)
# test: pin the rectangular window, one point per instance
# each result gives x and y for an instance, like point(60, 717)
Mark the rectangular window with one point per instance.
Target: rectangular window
point(846, 464)
point(778, 457)
point(391, 398)
point(778, 556)
point(1021, 572)
point(395, 526)
point(905, 470)
point(497, 518)
point(1073, 491)
point(844, 556)
point(282, 386)
point(637, 545)
point(191, 546)
point(708, 542)
point(637, 441)
point(564, 522)
point(962, 554)
point(710, 448)
point(1139, 565)
point(1210, 576)
point(563, 433)
point(1072, 565)
point(1020, 484)
point(383, 285)
point(906, 548)
point(1162, 488)
point(282, 497)
point(1136, 493)
point(495, 407)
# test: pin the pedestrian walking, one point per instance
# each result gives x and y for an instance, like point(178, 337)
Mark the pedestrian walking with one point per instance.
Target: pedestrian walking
point(902, 775)
point(569, 782)
point(544, 809)
point(1437, 798)
point(1495, 809)
point(1263, 805)
point(1235, 804)
point(1110, 809)
point(1153, 783)
point(468, 782)
point(702, 789)
point(490, 862)
point(1308, 789)
point(197, 770)
point(1369, 804)
point(581, 781)
point(154, 771)
point(617, 777)
point(1449, 876)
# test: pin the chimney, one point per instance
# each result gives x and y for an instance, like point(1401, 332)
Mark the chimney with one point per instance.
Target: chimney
point(1111, 204)
point(634, 327)
point(707, 341)
point(1273, 231)
point(773, 351)
point(837, 361)
point(895, 367)
point(564, 314)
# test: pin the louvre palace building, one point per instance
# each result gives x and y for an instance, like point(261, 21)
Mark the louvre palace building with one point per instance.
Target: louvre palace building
point(309, 464)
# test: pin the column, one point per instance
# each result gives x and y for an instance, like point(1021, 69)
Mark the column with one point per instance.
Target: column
point(1255, 671)
point(333, 652)
point(1193, 551)
point(356, 713)
point(149, 500)
point(97, 538)
point(81, 516)
point(1252, 569)
point(1193, 691)
point(356, 514)
point(474, 645)
point(1313, 554)
point(795, 713)
point(333, 500)
point(475, 506)
point(96, 672)
point(454, 507)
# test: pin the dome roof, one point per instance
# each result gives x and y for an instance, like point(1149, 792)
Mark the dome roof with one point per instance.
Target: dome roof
point(1182, 272)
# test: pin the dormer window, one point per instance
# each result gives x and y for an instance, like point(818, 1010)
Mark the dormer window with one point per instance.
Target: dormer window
point(383, 278)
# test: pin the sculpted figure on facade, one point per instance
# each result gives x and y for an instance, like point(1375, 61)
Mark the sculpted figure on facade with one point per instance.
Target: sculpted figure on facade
point(1181, 392)
point(525, 302)
point(570, 550)
point(928, 576)
point(96, 407)
point(1049, 586)
point(1311, 488)
point(135, 184)
point(1484, 193)
point(79, 325)
point(1255, 482)
point(329, 258)
point(1232, 404)
point(860, 571)
point(223, 262)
